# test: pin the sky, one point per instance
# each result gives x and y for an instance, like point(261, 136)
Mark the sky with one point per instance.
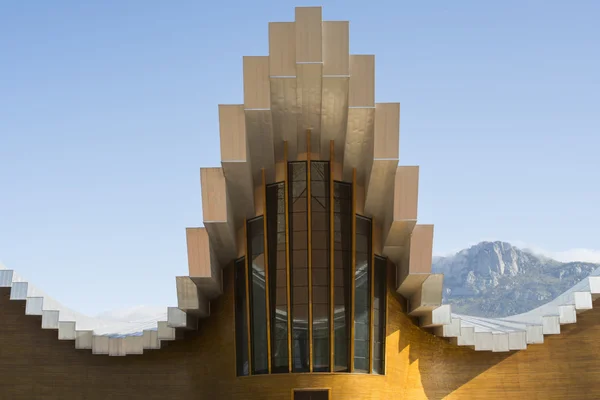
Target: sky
point(108, 110)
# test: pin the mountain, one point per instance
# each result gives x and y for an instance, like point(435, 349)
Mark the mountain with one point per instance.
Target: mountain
point(496, 279)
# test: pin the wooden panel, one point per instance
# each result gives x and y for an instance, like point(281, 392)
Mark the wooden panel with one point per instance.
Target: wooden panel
point(308, 98)
point(336, 48)
point(232, 129)
point(362, 81)
point(406, 192)
point(309, 40)
point(282, 49)
point(421, 249)
point(214, 194)
point(387, 130)
point(198, 252)
point(256, 82)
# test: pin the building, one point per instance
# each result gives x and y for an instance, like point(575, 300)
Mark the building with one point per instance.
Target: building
point(311, 278)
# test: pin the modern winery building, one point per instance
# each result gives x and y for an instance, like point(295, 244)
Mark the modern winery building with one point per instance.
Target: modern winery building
point(311, 277)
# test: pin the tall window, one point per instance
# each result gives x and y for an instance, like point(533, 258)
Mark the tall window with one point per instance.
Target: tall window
point(362, 298)
point(241, 318)
point(277, 277)
point(379, 315)
point(319, 193)
point(258, 304)
point(298, 225)
point(342, 237)
point(284, 314)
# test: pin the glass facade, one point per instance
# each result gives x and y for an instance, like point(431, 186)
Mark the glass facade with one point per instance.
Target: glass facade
point(302, 285)
point(342, 259)
point(362, 297)
point(277, 277)
point(241, 318)
point(379, 304)
point(319, 209)
point(298, 222)
point(258, 301)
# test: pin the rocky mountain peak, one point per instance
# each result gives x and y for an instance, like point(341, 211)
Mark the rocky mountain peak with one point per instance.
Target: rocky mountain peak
point(497, 278)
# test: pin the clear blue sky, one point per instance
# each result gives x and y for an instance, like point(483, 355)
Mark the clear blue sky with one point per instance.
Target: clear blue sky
point(108, 110)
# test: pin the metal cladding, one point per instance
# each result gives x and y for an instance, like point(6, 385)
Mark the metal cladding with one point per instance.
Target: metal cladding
point(308, 82)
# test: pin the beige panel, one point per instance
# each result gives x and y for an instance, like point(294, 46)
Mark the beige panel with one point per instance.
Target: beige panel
point(259, 126)
point(198, 252)
point(308, 97)
point(308, 34)
point(334, 115)
point(218, 215)
point(280, 171)
point(380, 187)
point(282, 48)
point(256, 82)
point(214, 194)
point(387, 130)
point(358, 151)
point(203, 265)
point(362, 81)
point(428, 297)
point(406, 193)
point(284, 112)
point(421, 249)
point(235, 161)
point(336, 48)
point(232, 128)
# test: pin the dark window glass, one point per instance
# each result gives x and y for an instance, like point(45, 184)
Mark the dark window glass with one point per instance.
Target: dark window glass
point(311, 395)
point(362, 299)
point(319, 193)
point(342, 273)
point(241, 321)
point(379, 315)
point(277, 277)
point(258, 310)
point(298, 226)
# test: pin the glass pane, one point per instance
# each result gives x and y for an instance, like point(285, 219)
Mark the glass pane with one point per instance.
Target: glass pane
point(362, 299)
point(320, 257)
point(258, 311)
point(342, 269)
point(277, 277)
point(379, 315)
point(241, 321)
point(298, 225)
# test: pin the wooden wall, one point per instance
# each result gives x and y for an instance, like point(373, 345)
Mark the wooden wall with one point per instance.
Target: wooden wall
point(35, 365)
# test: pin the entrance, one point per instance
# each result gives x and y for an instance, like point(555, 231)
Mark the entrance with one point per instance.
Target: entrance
point(319, 394)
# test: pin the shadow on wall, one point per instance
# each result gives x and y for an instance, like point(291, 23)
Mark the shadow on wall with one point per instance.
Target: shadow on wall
point(565, 366)
point(435, 366)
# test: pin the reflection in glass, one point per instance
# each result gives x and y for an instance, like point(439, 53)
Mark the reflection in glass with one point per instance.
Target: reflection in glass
point(342, 217)
point(258, 312)
point(277, 277)
point(379, 315)
point(241, 321)
point(319, 192)
point(298, 226)
point(362, 301)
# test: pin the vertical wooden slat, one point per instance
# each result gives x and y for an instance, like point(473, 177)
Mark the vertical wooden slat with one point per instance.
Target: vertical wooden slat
point(331, 260)
point(371, 297)
point(309, 259)
point(353, 272)
point(266, 266)
point(247, 296)
point(287, 255)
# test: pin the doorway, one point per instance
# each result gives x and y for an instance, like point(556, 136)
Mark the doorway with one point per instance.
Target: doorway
point(317, 394)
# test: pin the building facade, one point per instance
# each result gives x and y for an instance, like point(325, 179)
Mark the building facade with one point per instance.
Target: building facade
point(311, 278)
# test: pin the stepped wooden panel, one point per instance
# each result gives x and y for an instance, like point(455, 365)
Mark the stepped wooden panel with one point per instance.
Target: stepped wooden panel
point(34, 365)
